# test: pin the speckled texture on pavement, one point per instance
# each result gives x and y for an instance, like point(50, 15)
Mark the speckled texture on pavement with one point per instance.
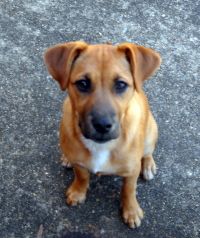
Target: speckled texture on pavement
point(32, 182)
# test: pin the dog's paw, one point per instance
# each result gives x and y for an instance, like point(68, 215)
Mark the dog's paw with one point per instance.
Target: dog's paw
point(75, 196)
point(65, 162)
point(132, 216)
point(148, 168)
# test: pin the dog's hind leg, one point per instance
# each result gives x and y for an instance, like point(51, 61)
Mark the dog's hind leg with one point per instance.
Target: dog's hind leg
point(148, 168)
point(65, 162)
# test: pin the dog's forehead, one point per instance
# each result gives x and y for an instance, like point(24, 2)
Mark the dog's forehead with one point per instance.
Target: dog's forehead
point(102, 52)
point(102, 57)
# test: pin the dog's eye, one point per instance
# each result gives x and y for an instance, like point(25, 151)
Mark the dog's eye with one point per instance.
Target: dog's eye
point(83, 85)
point(120, 86)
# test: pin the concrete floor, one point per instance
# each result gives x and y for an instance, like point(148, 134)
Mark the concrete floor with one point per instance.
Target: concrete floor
point(32, 181)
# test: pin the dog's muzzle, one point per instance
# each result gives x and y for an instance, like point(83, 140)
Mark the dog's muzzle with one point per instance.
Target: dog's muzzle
point(100, 127)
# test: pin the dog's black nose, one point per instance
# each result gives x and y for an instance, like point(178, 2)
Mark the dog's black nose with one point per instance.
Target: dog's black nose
point(102, 124)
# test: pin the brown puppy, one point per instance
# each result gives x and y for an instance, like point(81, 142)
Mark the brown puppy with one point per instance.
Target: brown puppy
point(107, 126)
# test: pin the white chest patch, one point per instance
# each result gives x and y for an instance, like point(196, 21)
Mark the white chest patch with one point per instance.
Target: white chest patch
point(100, 161)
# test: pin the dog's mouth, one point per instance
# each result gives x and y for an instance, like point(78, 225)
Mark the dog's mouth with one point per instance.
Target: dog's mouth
point(89, 133)
point(101, 138)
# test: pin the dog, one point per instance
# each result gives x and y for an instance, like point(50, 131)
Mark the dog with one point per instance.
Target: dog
point(107, 127)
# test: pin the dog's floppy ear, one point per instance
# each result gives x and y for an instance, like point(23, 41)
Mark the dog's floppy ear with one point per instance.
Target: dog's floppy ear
point(144, 62)
point(60, 58)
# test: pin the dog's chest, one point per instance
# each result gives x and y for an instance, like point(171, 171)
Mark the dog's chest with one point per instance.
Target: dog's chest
point(100, 161)
point(100, 158)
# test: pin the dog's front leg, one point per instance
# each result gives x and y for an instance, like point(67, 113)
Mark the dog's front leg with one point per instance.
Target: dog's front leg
point(131, 211)
point(76, 193)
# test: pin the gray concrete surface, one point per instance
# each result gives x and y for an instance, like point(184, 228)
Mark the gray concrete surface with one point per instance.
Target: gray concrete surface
point(32, 182)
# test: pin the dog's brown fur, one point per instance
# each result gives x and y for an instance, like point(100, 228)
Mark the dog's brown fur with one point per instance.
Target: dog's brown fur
point(131, 152)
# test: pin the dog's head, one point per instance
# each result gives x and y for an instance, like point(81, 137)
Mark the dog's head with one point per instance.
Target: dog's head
point(101, 80)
